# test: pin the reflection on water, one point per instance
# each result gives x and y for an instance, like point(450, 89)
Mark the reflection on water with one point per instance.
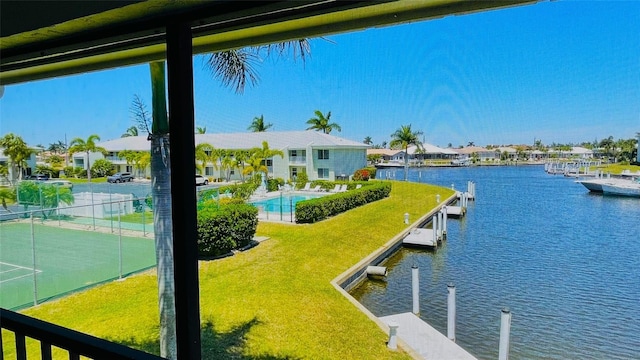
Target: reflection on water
point(564, 261)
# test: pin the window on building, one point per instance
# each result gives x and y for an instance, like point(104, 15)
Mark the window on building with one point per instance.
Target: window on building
point(293, 153)
point(323, 154)
point(323, 173)
point(269, 162)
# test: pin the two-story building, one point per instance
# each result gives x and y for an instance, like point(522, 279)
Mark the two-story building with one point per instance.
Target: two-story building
point(321, 156)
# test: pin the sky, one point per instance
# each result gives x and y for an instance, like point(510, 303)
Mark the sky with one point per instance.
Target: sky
point(562, 71)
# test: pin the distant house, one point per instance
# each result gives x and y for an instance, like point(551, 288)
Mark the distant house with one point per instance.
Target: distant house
point(388, 155)
point(321, 156)
point(480, 153)
point(574, 152)
point(431, 152)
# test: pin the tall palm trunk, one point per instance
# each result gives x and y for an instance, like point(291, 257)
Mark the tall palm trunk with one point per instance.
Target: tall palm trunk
point(406, 162)
point(88, 168)
point(163, 227)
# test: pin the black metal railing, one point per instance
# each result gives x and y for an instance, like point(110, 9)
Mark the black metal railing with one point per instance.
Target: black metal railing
point(75, 343)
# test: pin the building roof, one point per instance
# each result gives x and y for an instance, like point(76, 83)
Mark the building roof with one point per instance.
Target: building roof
point(431, 149)
point(384, 152)
point(472, 149)
point(275, 139)
point(507, 149)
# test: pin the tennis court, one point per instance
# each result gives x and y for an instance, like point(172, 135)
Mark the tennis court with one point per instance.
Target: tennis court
point(65, 260)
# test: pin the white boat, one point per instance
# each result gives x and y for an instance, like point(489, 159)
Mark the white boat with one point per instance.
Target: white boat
point(595, 185)
point(628, 188)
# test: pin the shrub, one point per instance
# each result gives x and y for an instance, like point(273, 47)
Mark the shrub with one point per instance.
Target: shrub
point(239, 191)
point(372, 172)
point(313, 210)
point(274, 184)
point(301, 180)
point(224, 228)
point(361, 175)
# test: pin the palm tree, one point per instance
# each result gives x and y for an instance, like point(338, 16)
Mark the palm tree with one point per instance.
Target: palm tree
point(232, 67)
point(258, 125)
point(264, 153)
point(132, 131)
point(367, 140)
point(201, 130)
point(78, 145)
point(204, 155)
point(403, 137)
point(321, 123)
point(17, 150)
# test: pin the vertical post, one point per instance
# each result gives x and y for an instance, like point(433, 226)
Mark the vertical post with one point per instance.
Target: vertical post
point(280, 205)
point(144, 210)
point(438, 198)
point(440, 225)
point(451, 313)
point(505, 329)
point(291, 209)
point(434, 229)
point(415, 289)
point(444, 221)
point(33, 262)
point(406, 218)
point(119, 244)
point(183, 194)
point(393, 335)
point(93, 205)
point(111, 207)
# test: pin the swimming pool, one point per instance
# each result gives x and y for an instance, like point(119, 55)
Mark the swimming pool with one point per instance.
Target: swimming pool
point(285, 203)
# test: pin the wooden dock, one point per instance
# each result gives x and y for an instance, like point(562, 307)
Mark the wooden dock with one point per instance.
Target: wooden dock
point(426, 340)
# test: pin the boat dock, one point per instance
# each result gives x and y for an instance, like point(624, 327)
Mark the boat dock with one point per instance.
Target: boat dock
point(424, 339)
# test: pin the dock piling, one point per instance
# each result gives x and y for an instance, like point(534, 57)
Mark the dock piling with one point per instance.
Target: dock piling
point(505, 329)
point(451, 313)
point(444, 221)
point(415, 289)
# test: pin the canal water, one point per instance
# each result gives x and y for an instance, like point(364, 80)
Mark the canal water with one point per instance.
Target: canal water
point(564, 261)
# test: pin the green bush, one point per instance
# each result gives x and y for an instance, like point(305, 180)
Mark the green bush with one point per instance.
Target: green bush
point(301, 180)
point(224, 228)
point(274, 184)
point(314, 210)
point(372, 172)
point(239, 191)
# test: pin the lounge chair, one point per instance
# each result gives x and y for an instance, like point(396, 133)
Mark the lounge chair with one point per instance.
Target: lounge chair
point(318, 188)
point(343, 188)
point(358, 186)
point(336, 188)
point(307, 187)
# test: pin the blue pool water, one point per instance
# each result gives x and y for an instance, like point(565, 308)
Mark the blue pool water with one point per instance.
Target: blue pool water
point(566, 262)
point(285, 203)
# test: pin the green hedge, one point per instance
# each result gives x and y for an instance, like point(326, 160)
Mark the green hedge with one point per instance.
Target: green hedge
point(225, 228)
point(310, 211)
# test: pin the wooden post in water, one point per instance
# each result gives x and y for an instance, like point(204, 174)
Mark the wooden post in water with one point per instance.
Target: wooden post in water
point(451, 313)
point(505, 329)
point(415, 289)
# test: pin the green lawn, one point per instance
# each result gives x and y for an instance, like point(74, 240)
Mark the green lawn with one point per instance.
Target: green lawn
point(274, 301)
point(616, 168)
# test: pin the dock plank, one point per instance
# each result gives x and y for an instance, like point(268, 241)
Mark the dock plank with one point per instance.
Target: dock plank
point(426, 340)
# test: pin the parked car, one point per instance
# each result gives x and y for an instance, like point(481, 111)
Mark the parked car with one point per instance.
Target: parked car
point(40, 177)
point(61, 183)
point(201, 180)
point(120, 177)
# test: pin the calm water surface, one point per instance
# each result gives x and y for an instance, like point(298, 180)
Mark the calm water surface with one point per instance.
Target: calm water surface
point(566, 262)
